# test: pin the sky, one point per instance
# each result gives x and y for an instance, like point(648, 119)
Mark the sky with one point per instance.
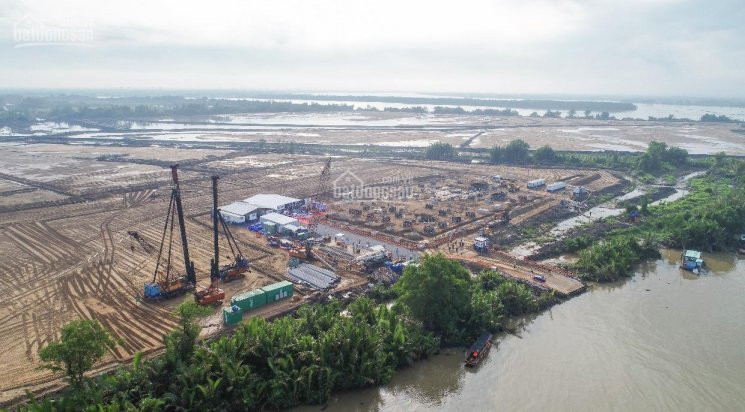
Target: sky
point(631, 47)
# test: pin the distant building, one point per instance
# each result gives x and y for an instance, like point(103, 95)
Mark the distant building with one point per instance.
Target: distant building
point(536, 183)
point(555, 187)
point(252, 208)
point(283, 224)
point(274, 202)
point(239, 212)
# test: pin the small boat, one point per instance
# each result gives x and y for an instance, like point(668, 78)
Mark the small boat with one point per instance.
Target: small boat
point(691, 260)
point(479, 349)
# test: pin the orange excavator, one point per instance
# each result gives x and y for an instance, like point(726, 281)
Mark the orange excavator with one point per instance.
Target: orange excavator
point(213, 294)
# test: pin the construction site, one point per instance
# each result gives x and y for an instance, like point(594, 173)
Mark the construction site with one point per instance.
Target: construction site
point(122, 235)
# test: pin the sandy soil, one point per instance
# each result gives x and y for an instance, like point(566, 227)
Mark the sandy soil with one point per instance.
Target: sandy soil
point(75, 260)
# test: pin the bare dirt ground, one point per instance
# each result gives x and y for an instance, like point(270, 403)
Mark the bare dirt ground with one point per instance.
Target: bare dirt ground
point(70, 257)
point(440, 198)
point(75, 260)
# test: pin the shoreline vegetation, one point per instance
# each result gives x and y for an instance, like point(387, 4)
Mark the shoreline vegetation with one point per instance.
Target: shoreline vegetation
point(19, 112)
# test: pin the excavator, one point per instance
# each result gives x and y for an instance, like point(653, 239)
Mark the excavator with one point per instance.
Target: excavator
point(212, 294)
point(165, 283)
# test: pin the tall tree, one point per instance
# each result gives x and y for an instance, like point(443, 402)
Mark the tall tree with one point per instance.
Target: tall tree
point(83, 343)
point(517, 151)
point(545, 154)
point(437, 293)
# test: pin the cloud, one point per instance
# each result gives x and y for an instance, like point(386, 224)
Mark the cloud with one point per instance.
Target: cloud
point(599, 47)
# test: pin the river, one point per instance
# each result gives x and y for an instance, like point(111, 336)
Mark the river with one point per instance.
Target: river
point(663, 340)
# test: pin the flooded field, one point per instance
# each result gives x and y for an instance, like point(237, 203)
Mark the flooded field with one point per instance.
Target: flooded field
point(664, 340)
point(412, 130)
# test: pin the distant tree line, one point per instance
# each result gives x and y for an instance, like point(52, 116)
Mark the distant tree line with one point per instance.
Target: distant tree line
point(539, 104)
point(714, 118)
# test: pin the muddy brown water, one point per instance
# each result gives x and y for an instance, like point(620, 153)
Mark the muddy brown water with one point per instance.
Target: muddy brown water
point(663, 340)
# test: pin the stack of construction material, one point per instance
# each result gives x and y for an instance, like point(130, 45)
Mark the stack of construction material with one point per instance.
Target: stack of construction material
point(313, 276)
point(337, 253)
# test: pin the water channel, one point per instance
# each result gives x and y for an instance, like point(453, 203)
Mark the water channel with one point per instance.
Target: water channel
point(663, 340)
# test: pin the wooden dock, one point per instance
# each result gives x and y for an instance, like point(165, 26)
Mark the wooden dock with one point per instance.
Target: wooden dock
point(557, 279)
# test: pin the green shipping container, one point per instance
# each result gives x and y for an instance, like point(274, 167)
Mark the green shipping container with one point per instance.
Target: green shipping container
point(249, 300)
point(278, 291)
point(230, 317)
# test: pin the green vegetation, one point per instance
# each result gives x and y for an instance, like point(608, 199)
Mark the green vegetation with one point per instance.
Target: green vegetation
point(575, 244)
point(545, 154)
point(478, 112)
point(304, 358)
point(82, 344)
point(517, 151)
point(615, 258)
point(708, 219)
point(442, 295)
point(658, 160)
point(536, 104)
point(264, 365)
point(659, 157)
point(440, 151)
point(714, 118)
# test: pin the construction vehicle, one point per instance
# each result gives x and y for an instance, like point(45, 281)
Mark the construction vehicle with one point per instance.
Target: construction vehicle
point(317, 206)
point(146, 246)
point(213, 294)
point(481, 244)
point(240, 265)
point(165, 283)
point(272, 241)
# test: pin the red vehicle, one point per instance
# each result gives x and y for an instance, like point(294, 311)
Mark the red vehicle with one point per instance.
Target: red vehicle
point(210, 296)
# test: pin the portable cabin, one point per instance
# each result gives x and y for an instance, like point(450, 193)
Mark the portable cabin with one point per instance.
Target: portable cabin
point(555, 187)
point(533, 184)
point(249, 300)
point(232, 315)
point(278, 291)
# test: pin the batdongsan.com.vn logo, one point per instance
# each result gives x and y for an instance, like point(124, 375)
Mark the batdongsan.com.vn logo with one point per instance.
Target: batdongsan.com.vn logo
point(29, 31)
point(348, 186)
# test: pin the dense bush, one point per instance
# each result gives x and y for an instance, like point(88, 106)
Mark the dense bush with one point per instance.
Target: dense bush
point(440, 151)
point(708, 219)
point(448, 301)
point(615, 258)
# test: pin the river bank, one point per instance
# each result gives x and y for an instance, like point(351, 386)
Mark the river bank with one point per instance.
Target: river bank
point(664, 339)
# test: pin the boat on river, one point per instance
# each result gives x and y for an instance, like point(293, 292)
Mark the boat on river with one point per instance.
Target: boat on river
point(479, 349)
point(691, 260)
